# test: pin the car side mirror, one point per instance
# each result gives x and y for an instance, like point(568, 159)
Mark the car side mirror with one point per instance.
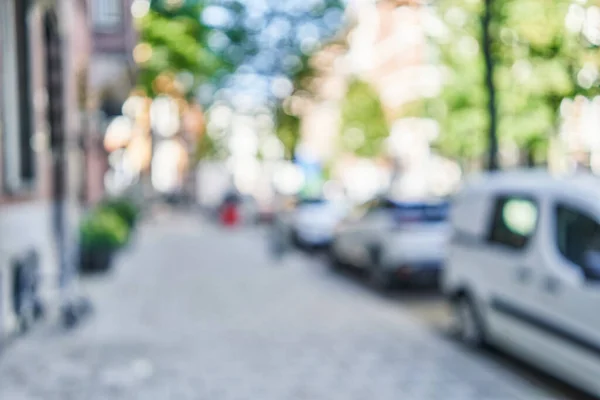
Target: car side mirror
point(592, 274)
point(591, 267)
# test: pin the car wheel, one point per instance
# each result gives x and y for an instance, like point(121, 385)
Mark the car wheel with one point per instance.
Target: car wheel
point(334, 262)
point(469, 324)
point(296, 242)
point(378, 277)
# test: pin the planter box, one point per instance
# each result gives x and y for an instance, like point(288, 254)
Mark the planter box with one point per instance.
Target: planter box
point(131, 238)
point(95, 261)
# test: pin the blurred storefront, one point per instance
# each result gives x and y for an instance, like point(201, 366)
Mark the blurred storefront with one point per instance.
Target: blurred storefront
point(112, 70)
point(111, 76)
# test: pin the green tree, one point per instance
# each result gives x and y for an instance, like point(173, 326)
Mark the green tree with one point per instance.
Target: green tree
point(536, 59)
point(180, 40)
point(206, 148)
point(538, 63)
point(461, 108)
point(305, 80)
point(239, 40)
point(487, 44)
point(287, 130)
point(364, 126)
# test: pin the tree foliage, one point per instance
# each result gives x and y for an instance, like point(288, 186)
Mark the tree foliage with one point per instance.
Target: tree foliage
point(288, 131)
point(221, 44)
point(305, 80)
point(460, 109)
point(539, 61)
point(364, 126)
point(212, 39)
point(180, 43)
point(207, 149)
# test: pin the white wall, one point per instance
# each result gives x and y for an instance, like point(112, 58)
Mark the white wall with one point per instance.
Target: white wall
point(25, 227)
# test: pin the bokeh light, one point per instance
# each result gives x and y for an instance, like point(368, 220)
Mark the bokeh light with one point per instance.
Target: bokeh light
point(140, 8)
point(142, 53)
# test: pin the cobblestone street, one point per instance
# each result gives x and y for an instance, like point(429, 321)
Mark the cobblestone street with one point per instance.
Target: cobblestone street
point(194, 312)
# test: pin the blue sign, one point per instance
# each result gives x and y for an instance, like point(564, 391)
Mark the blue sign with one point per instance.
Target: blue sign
point(313, 176)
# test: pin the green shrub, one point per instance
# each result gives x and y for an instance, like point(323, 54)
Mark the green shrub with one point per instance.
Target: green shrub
point(124, 208)
point(103, 230)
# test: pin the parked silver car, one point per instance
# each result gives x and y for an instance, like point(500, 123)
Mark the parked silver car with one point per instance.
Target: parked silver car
point(394, 241)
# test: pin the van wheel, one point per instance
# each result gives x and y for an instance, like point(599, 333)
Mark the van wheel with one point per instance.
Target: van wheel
point(470, 328)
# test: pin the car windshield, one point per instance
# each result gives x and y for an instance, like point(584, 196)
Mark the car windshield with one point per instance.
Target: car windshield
point(421, 212)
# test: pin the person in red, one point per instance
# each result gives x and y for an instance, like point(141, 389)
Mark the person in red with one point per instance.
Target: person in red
point(229, 211)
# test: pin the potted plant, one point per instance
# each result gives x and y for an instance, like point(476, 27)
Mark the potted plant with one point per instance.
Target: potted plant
point(102, 234)
point(124, 208)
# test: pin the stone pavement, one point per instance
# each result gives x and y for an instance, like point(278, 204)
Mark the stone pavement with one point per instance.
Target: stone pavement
point(196, 312)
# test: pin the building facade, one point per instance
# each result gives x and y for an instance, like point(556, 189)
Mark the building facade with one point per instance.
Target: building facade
point(44, 47)
point(387, 47)
point(112, 70)
point(111, 77)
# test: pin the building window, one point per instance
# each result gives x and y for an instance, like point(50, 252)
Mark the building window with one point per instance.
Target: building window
point(27, 155)
point(18, 155)
point(106, 14)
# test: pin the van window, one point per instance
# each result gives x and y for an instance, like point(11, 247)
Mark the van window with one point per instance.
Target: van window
point(577, 235)
point(514, 221)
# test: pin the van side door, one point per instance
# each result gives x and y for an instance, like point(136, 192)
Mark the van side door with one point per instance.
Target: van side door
point(510, 272)
point(570, 294)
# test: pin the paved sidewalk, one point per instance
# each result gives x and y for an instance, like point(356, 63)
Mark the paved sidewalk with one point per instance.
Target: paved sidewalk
point(195, 312)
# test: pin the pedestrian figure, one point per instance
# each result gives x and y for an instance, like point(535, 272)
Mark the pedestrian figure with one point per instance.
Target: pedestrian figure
point(280, 240)
point(229, 213)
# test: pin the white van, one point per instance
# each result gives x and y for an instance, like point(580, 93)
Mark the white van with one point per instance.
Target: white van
point(523, 270)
